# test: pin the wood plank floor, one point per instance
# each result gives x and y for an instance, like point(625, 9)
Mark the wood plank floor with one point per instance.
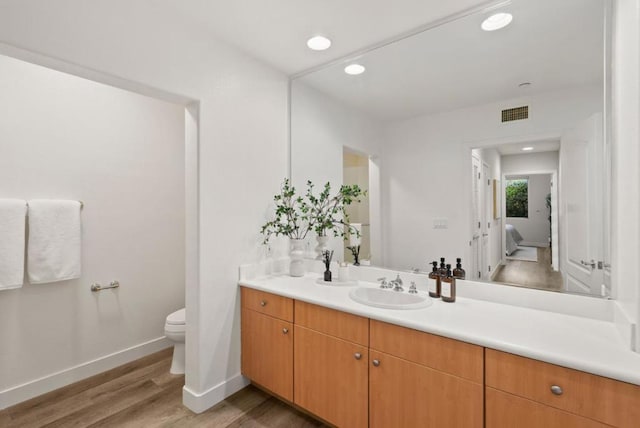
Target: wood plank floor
point(144, 394)
point(531, 274)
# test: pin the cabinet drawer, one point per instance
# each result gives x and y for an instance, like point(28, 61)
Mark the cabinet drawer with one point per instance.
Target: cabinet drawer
point(447, 355)
point(504, 410)
point(595, 397)
point(267, 303)
point(334, 323)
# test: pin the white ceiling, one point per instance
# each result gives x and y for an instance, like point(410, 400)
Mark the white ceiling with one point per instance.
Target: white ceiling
point(538, 147)
point(276, 31)
point(552, 44)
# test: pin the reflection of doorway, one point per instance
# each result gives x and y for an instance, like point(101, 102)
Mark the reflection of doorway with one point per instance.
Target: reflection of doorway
point(530, 217)
point(487, 200)
point(476, 185)
point(356, 171)
point(482, 197)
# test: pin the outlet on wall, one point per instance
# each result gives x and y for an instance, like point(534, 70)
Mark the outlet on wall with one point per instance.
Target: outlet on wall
point(440, 223)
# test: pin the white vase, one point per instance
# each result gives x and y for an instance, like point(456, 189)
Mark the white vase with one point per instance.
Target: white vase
point(296, 266)
point(322, 246)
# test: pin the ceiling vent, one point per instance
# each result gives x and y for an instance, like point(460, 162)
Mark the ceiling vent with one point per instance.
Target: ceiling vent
point(517, 113)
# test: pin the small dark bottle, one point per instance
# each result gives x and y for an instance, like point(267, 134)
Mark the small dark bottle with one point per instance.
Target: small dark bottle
point(448, 287)
point(434, 281)
point(327, 275)
point(443, 267)
point(458, 272)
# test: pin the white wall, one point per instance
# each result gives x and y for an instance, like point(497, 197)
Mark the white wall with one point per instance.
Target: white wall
point(626, 156)
point(122, 154)
point(535, 229)
point(320, 129)
point(242, 137)
point(427, 169)
point(530, 162)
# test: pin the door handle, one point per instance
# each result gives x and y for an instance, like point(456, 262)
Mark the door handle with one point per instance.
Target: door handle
point(591, 264)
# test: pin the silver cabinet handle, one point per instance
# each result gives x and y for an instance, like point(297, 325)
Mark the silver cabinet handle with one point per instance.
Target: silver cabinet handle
point(263, 303)
point(556, 390)
point(357, 355)
point(376, 363)
point(285, 330)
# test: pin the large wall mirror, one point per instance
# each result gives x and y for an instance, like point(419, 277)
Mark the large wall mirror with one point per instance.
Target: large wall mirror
point(491, 146)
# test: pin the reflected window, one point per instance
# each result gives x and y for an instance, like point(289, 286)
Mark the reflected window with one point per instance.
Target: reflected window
point(517, 197)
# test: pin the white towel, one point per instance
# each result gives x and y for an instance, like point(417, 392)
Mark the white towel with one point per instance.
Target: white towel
point(54, 252)
point(12, 235)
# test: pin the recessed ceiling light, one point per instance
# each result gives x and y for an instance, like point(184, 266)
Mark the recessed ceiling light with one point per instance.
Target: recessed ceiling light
point(527, 149)
point(497, 21)
point(354, 69)
point(318, 43)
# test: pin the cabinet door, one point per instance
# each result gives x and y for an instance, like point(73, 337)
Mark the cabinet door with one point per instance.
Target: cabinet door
point(507, 411)
point(331, 378)
point(267, 352)
point(403, 394)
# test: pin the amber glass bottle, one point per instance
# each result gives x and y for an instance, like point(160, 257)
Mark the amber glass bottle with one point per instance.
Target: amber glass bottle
point(443, 267)
point(458, 272)
point(448, 287)
point(434, 281)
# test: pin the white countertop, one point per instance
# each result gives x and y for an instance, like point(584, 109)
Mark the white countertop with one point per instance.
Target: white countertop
point(590, 345)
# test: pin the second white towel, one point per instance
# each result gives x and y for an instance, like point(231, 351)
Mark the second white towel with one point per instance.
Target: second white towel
point(12, 236)
point(55, 241)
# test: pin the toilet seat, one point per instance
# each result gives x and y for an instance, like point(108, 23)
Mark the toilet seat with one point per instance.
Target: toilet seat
point(177, 317)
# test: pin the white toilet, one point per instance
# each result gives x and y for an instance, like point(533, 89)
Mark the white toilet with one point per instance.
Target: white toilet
point(174, 330)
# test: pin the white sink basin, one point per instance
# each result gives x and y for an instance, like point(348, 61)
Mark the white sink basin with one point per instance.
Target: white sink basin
point(389, 299)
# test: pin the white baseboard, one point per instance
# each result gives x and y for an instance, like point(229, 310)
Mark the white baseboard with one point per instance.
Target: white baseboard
point(31, 389)
point(198, 403)
point(495, 271)
point(626, 327)
point(534, 244)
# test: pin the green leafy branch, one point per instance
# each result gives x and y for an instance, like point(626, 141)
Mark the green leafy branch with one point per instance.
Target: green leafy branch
point(295, 216)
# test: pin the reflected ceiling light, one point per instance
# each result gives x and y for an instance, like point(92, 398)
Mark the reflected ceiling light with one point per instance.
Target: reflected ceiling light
point(319, 43)
point(354, 69)
point(527, 149)
point(497, 21)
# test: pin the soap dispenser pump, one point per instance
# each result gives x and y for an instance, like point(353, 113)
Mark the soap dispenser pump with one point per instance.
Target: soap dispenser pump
point(448, 287)
point(458, 272)
point(434, 281)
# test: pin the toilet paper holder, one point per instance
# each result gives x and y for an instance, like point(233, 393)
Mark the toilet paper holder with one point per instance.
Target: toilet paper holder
point(96, 286)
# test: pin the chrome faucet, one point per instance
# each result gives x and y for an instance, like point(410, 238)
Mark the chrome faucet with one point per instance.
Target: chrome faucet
point(384, 283)
point(413, 289)
point(396, 284)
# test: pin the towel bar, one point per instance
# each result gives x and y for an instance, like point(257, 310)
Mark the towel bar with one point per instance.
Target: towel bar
point(81, 204)
point(97, 287)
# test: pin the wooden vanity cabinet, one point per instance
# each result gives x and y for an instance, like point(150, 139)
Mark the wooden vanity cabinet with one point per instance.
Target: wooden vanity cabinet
point(330, 370)
point(355, 372)
point(267, 341)
point(418, 379)
point(523, 389)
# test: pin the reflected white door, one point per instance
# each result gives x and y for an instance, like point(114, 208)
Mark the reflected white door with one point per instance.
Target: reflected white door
point(581, 211)
point(486, 221)
point(476, 181)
